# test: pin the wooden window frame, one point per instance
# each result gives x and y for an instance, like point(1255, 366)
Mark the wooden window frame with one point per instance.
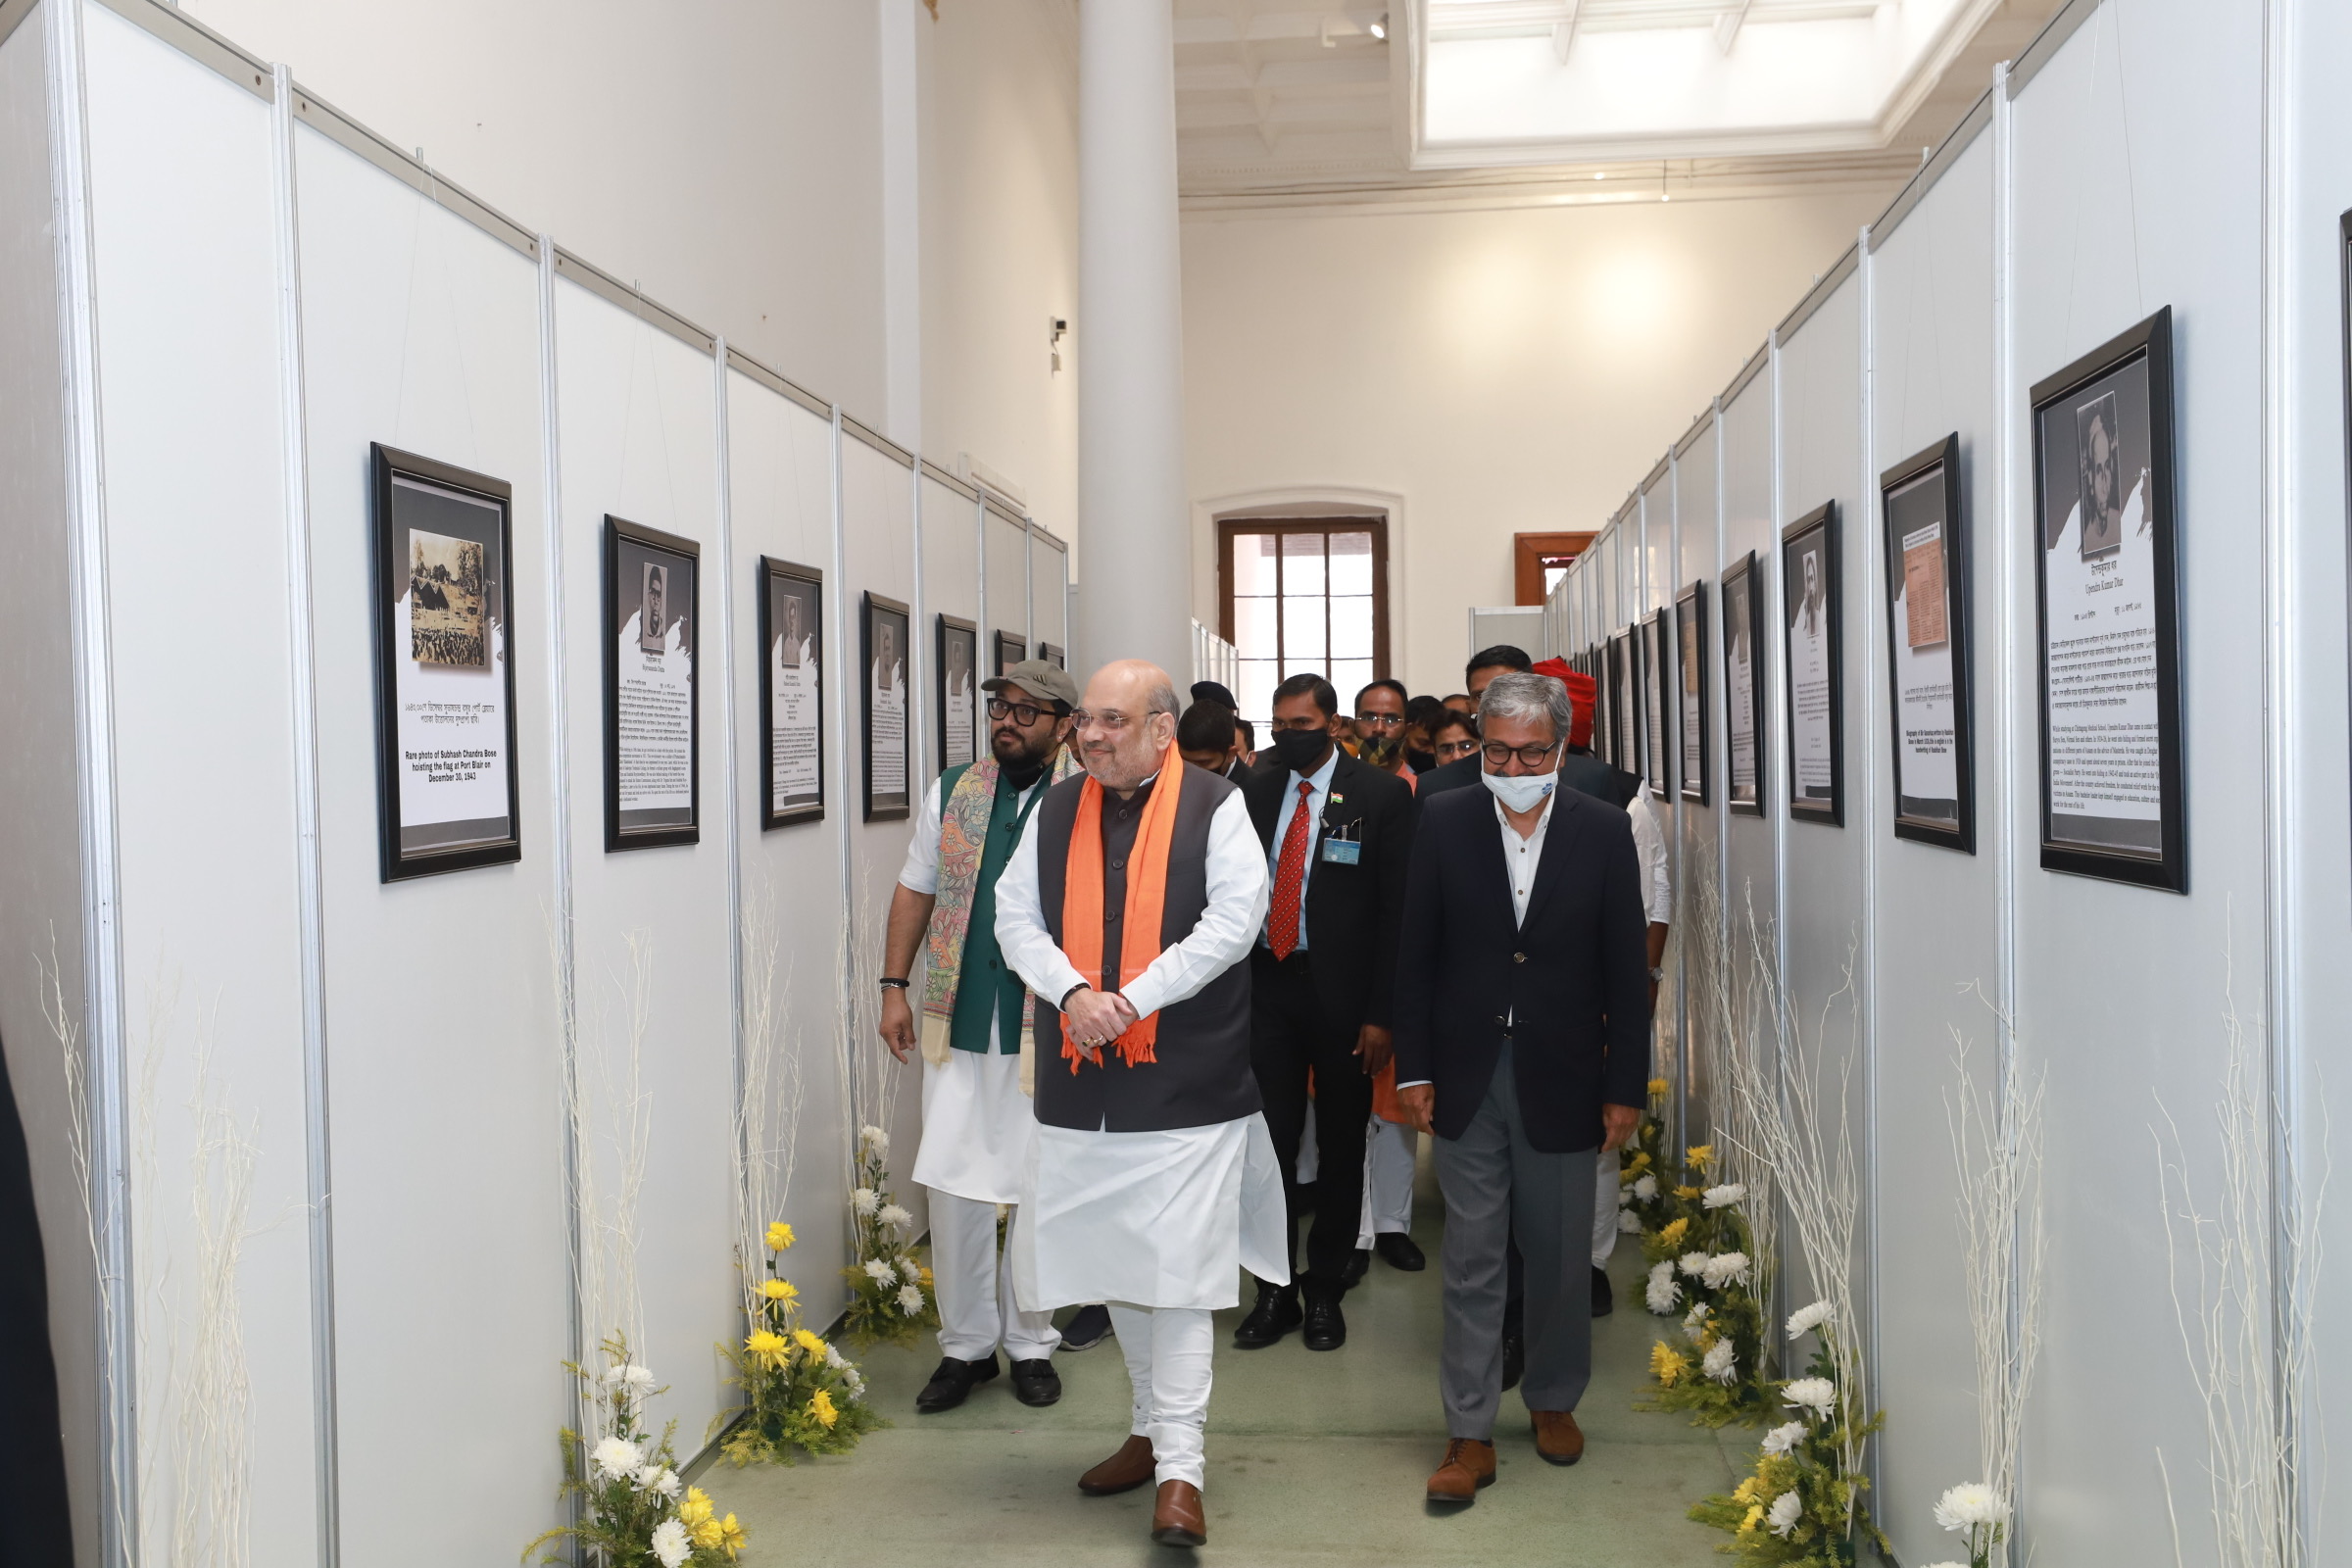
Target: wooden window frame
point(1229, 529)
point(1529, 554)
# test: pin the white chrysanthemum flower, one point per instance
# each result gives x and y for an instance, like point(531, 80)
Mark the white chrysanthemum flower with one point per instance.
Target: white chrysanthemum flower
point(1816, 1395)
point(1724, 1196)
point(834, 1359)
point(865, 1201)
point(1721, 1362)
point(875, 1139)
point(894, 1216)
point(1694, 1263)
point(1695, 1320)
point(670, 1543)
point(1629, 1223)
point(850, 1381)
point(659, 1479)
point(1805, 1319)
point(616, 1458)
point(1780, 1439)
point(1726, 1268)
point(910, 1301)
point(1783, 1515)
point(1647, 1188)
point(1662, 1293)
point(881, 1273)
point(1969, 1505)
point(1947, 1565)
point(1625, 1198)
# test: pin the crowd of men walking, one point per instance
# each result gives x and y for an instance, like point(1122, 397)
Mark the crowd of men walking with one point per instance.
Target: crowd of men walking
point(1181, 996)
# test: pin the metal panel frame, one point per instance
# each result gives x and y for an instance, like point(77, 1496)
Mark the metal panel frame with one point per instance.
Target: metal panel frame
point(1946, 154)
point(348, 133)
point(198, 42)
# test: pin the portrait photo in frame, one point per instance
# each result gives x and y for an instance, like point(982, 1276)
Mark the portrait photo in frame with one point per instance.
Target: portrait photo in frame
point(1625, 702)
point(1928, 648)
point(447, 795)
point(1656, 765)
point(1011, 651)
point(1816, 688)
point(883, 669)
point(1052, 654)
point(792, 693)
point(1742, 690)
point(651, 697)
point(958, 666)
point(2107, 601)
point(1691, 689)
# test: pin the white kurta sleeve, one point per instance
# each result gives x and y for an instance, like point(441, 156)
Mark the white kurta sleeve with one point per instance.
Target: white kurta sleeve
point(1237, 910)
point(1021, 927)
point(920, 873)
point(1649, 846)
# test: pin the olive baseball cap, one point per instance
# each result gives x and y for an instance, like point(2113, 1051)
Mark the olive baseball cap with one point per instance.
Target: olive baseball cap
point(1040, 679)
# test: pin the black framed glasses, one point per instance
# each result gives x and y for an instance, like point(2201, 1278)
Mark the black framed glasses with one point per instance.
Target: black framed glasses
point(1499, 754)
point(999, 707)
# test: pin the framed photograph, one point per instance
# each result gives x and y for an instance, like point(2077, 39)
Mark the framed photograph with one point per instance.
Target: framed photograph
point(1052, 654)
point(1652, 643)
point(958, 666)
point(1625, 703)
point(1742, 690)
point(1690, 688)
point(2107, 589)
point(1011, 651)
point(1816, 687)
point(653, 708)
point(446, 790)
point(1928, 648)
point(792, 693)
point(882, 645)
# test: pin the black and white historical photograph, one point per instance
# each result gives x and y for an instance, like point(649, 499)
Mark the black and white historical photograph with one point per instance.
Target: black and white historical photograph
point(1926, 647)
point(1010, 649)
point(651, 710)
point(1654, 701)
point(792, 692)
point(445, 689)
point(883, 635)
point(1742, 690)
point(1690, 690)
point(2107, 588)
point(1052, 654)
point(1816, 706)
point(1625, 702)
point(957, 663)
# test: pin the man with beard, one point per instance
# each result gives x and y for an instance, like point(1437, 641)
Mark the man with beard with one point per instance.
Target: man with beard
point(1131, 903)
point(977, 1033)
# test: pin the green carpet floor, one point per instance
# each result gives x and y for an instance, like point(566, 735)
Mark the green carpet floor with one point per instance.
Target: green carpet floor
point(1312, 1459)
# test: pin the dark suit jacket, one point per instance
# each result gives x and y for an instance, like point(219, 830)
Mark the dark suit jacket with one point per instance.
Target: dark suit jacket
point(1574, 979)
point(1581, 770)
point(1353, 911)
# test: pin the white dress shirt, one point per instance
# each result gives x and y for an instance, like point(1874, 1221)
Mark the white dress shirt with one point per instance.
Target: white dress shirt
point(1650, 847)
point(1236, 913)
point(1318, 792)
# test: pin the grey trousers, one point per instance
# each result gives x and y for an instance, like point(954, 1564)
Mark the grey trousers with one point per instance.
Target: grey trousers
point(1494, 1181)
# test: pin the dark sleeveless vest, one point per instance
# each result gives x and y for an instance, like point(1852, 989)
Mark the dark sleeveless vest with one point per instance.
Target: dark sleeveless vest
point(1203, 1075)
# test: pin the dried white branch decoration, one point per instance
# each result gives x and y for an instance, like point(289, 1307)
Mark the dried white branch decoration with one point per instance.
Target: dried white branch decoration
point(773, 1094)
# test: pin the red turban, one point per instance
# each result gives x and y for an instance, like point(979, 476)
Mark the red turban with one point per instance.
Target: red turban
point(1582, 692)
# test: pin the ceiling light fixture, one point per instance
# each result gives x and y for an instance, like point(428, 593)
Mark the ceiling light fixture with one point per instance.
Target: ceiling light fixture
point(1380, 29)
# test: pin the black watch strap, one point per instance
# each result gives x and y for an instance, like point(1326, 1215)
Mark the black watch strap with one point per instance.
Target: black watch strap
point(1063, 1006)
point(895, 983)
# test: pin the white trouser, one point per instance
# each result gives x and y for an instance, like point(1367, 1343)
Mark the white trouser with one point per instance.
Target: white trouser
point(1604, 1208)
point(1389, 1149)
point(974, 1286)
point(1168, 1352)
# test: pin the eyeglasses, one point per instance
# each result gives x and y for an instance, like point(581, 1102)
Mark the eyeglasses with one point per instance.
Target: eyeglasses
point(1455, 751)
point(1380, 720)
point(1499, 754)
point(999, 707)
point(1111, 720)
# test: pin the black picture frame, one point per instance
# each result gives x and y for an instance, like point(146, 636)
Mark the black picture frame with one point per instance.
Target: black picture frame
point(1691, 691)
point(792, 599)
point(1625, 707)
point(1817, 600)
point(1923, 492)
point(883, 629)
point(1052, 654)
point(957, 647)
point(627, 592)
point(1657, 762)
point(405, 492)
point(2131, 376)
point(1010, 649)
point(1742, 585)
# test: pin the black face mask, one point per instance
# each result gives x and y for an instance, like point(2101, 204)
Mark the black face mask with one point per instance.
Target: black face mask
point(1300, 749)
point(1420, 761)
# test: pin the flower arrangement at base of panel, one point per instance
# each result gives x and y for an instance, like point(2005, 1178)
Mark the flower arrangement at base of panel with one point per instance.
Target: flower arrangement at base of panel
point(634, 1510)
point(1645, 1200)
point(799, 1394)
point(1703, 1265)
point(1977, 1511)
point(890, 1301)
point(1803, 1508)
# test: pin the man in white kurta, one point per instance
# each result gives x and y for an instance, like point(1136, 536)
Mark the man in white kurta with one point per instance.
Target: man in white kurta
point(1155, 1180)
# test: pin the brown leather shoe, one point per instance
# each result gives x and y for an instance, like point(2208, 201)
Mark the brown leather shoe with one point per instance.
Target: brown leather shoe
point(1469, 1465)
point(1123, 1471)
point(1558, 1438)
point(1176, 1518)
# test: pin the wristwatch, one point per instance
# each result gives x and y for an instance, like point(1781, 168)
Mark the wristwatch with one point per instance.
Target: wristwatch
point(893, 982)
point(1063, 1006)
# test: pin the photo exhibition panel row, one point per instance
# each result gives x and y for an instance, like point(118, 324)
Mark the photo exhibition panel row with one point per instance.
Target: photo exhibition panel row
point(1912, 648)
point(496, 854)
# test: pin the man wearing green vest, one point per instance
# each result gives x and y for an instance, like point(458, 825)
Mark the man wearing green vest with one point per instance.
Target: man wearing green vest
point(976, 1031)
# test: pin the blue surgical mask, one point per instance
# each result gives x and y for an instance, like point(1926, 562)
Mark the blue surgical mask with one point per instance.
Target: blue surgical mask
point(1521, 791)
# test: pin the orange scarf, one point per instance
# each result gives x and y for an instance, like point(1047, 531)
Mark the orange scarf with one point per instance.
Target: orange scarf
point(1146, 894)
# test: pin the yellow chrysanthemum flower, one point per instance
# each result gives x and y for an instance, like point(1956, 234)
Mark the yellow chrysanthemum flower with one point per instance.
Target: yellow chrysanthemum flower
point(1697, 1156)
point(779, 1236)
point(1635, 1166)
point(926, 1275)
point(1658, 1087)
point(1672, 1236)
point(1747, 1491)
point(1755, 1517)
point(706, 1535)
point(821, 1405)
point(769, 1347)
point(1687, 1194)
point(780, 1290)
point(696, 1510)
point(809, 1342)
point(1667, 1365)
point(730, 1536)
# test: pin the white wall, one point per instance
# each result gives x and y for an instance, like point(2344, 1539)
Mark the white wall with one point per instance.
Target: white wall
point(1499, 372)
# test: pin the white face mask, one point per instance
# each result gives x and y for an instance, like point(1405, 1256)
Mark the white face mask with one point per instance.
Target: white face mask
point(1521, 791)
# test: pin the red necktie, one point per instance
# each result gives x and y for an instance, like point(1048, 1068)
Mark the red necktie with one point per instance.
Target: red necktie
point(1290, 880)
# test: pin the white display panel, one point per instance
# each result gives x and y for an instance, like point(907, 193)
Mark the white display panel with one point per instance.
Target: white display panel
point(1005, 552)
point(952, 587)
point(1752, 857)
point(1049, 600)
point(421, 332)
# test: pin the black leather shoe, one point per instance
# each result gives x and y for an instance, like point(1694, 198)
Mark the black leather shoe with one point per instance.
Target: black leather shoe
point(1514, 1354)
point(1359, 1264)
point(1089, 1327)
point(1397, 1249)
point(952, 1382)
point(1604, 1297)
point(1326, 1328)
point(1036, 1381)
point(1275, 1314)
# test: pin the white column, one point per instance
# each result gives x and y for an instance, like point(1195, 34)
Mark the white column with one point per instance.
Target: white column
point(1134, 548)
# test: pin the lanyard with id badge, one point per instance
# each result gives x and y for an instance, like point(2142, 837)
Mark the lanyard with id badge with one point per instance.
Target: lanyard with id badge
point(1344, 842)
